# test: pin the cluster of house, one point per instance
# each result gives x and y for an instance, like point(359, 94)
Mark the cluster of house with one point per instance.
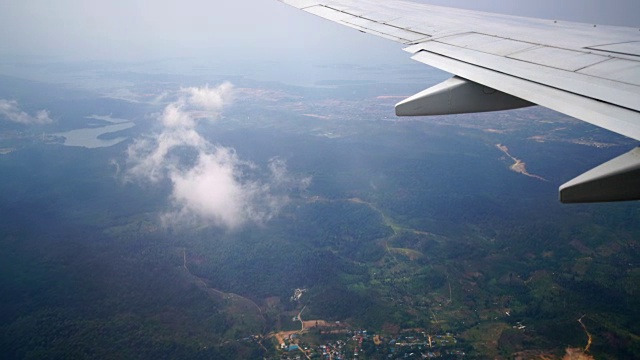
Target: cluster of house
point(418, 345)
point(336, 350)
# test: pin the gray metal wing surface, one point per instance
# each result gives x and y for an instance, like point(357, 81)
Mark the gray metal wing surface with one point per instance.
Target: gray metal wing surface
point(586, 71)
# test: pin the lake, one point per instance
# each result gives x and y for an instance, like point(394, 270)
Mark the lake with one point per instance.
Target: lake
point(89, 137)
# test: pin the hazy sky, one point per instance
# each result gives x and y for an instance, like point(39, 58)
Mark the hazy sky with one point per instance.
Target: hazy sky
point(249, 30)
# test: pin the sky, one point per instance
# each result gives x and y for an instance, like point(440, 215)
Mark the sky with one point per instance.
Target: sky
point(248, 30)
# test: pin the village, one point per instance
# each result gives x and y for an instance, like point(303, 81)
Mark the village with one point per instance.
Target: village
point(344, 343)
point(336, 340)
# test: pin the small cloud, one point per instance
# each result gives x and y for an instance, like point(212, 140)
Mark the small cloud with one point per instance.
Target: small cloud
point(210, 185)
point(10, 110)
point(210, 99)
point(175, 116)
point(214, 191)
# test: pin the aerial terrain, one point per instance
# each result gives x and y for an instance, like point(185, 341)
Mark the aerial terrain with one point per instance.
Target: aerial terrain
point(151, 212)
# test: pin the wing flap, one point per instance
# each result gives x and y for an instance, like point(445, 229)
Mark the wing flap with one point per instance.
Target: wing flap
point(631, 48)
point(562, 59)
point(489, 44)
point(624, 71)
point(599, 89)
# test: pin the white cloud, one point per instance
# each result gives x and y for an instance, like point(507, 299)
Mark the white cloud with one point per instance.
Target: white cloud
point(210, 99)
point(10, 110)
point(214, 190)
point(211, 185)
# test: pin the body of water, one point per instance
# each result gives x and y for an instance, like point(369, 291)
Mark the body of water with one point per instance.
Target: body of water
point(89, 137)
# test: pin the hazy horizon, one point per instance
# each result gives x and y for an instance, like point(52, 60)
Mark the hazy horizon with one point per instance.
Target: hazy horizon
point(250, 31)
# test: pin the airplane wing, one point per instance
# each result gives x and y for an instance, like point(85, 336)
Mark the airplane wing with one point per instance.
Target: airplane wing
point(501, 62)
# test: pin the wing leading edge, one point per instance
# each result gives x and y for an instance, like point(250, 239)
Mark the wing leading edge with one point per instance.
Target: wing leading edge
point(503, 62)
